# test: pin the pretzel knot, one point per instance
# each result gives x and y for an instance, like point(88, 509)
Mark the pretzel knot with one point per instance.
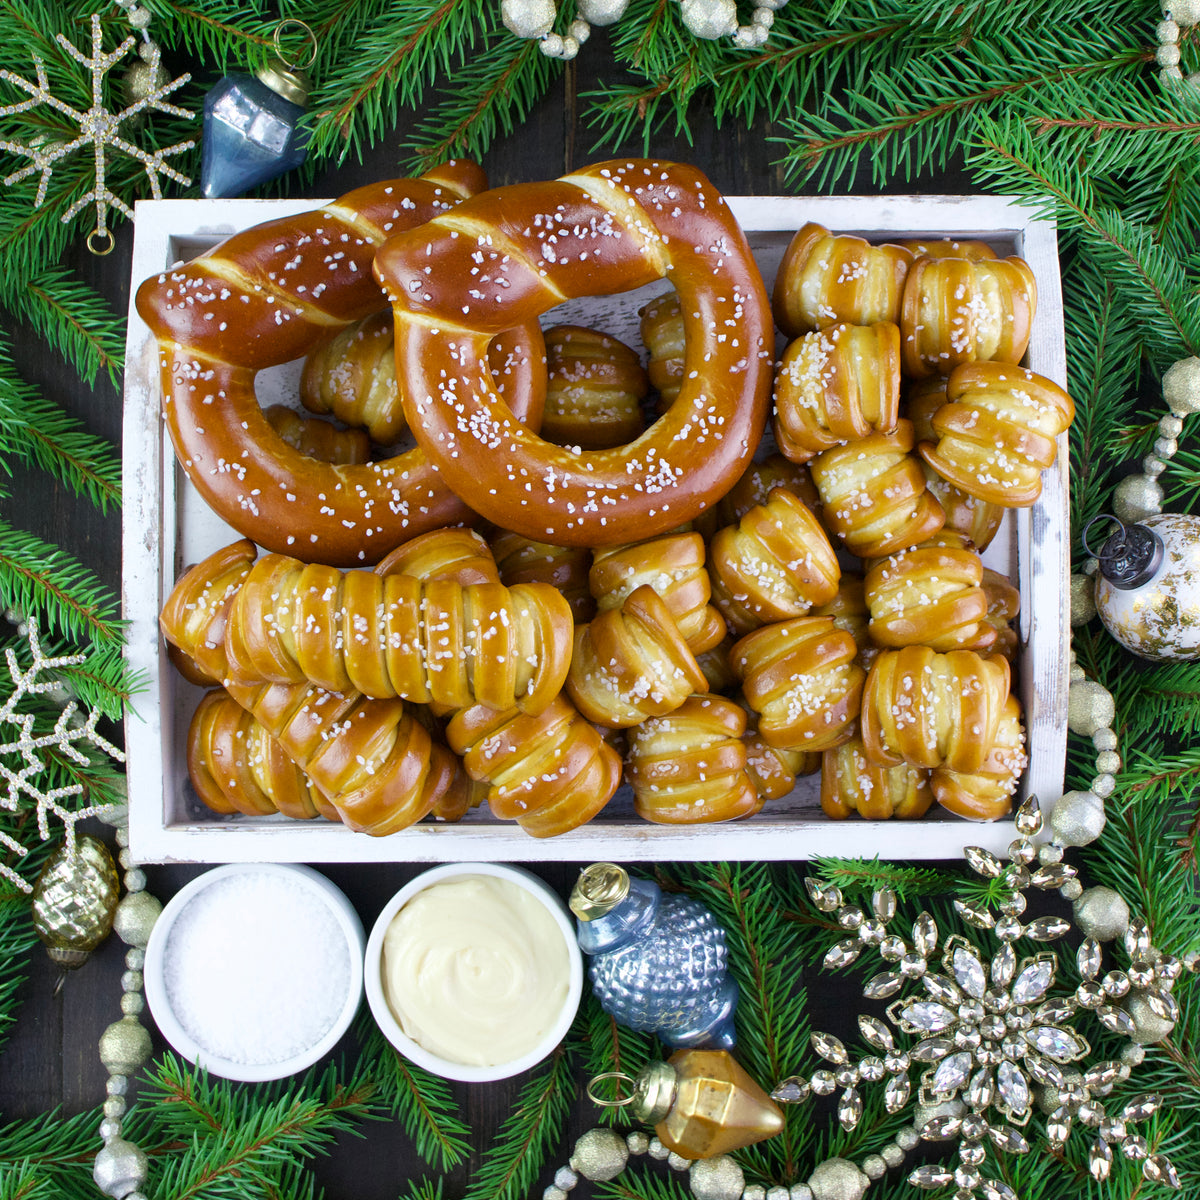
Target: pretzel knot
point(263, 297)
point(510, 255)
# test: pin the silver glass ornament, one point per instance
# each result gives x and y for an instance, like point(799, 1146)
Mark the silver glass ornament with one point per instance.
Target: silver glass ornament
point(1148, 587)
point(658, 962)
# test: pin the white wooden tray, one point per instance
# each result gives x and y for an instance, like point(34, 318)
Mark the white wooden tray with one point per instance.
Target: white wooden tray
point(166, 526)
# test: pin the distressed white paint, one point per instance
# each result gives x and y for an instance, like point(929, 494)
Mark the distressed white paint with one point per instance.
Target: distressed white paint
point(166, 526)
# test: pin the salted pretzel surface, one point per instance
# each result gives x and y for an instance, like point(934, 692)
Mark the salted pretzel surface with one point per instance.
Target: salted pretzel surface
point(263, 297)
point(506, 257)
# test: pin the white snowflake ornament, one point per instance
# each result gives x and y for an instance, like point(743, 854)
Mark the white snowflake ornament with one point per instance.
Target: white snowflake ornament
point(98, 128)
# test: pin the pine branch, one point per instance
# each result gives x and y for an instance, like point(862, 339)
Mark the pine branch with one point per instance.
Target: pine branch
point(229, 33)
point(860, 877)
point(607, 1046)
point(642, 1185)
point(36, 431)
point(421, 1102)
point(389, 67)
point(76, 321)
point(40, 580)
point(510, 1167)
point(492, 97)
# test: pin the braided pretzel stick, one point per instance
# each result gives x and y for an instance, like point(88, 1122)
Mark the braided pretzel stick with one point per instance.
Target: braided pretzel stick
point(609, 228)
point(263, 297)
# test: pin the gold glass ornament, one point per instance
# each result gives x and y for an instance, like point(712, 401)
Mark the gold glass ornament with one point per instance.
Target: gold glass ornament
point(700, 1102)
point(74, 901)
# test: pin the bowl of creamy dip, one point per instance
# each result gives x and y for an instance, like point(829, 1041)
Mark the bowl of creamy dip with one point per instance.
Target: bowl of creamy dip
point(473, 971)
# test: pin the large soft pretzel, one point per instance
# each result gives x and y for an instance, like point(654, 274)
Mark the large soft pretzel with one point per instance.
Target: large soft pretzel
point(506, 257)
point(263, 297)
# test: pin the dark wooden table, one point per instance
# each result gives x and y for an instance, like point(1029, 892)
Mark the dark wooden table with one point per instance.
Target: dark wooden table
point(51, 1059)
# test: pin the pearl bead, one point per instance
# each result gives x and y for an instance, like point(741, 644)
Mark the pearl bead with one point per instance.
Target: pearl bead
point(580, 30)
point(638, 1142)
point(1165, 447)
point(553, 1193)
point(1170, 77)
point(132, 1003)
point(135, 959)
point(109, 1129)
point(135, 880)
point(131, 981)
point(565, 1178)
point(1166, 31)
point(777, 1193)
point(528, 18)
point(800, 1191)
point(754, 1191)
point(1071, 890)
point(874, 1167)
point(1137, 497)
point(907, 1138)
point(1076, 674)
point(1181, 386)
point(139, 18)
point(892, 1154)
point(657, 1149)
point(123, 837)
point(764, 17)
point(117, 1085)
point(1077, 819)
point(677, 1162)
point(1103, 786)
point(120, 1168)
point(114, 1106)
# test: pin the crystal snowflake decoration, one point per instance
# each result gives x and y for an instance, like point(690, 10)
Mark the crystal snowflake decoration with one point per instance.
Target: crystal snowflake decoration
point(98, 128)
point(28, 747)
point(990, 1029)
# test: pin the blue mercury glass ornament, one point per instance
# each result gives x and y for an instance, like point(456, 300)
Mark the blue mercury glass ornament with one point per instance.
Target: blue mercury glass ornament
point(658, 962)
point(252, 129)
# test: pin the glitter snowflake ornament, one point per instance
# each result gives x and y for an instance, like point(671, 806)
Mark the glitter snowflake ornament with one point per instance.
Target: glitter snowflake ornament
point(98, 128)
point(993, 1030)
point(28, 748)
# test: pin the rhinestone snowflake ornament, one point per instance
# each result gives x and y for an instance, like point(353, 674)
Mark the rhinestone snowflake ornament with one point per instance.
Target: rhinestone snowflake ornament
point(98, 128)
point(993, 1030)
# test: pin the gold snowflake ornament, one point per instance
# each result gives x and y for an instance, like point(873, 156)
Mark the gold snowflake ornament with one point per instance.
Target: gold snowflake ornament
point(98, 128)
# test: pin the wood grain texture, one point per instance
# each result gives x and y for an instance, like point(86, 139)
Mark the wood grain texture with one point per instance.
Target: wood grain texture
point(50, 1058)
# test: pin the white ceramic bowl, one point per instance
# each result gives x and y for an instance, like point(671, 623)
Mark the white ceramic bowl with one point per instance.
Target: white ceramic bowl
point(446, 1068)
point(200, 1048)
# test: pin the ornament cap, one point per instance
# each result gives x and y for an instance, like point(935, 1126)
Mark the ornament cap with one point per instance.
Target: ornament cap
point(656, 1086)
point(598, 890)
point(1129, 557)
point(284, 81)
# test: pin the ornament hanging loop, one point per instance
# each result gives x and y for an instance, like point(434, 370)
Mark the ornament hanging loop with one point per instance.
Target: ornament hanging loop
point(603, 1102)
point(301, 63)
point(101, 242)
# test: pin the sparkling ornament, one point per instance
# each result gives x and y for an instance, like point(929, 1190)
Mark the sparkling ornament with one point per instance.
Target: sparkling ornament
point(124, 1046)
point(1077, 819)
point(99, 129)
point(1148, 587)
point(700, 1102)
point(120, 1169)
point(252, 129)
point(600, 1154)
point(601, 12)
point(1181, 386)
point(74, 900)
point(1083, 599)
point(1137, 497)
point(709, 19)
point(658, 962)
point(63, 739)
point(1090, 706)
point(717, 1178)
point(1101, 913)
point(838, 1179)
point(528, 18)
point(135, 918)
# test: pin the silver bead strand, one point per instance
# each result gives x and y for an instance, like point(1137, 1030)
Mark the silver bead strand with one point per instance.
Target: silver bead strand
point(120, 1167)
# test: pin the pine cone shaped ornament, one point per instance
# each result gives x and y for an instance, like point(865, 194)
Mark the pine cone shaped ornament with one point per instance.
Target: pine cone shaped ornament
point(658, 962)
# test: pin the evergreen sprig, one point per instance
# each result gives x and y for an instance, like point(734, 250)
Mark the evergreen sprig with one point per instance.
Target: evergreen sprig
point(531, 1132)
point(421, 1102)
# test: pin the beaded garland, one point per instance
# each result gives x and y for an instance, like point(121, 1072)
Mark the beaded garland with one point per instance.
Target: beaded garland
point(1176, 13)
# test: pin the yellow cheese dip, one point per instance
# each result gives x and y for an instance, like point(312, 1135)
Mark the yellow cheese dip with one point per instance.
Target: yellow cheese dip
point(475, 970)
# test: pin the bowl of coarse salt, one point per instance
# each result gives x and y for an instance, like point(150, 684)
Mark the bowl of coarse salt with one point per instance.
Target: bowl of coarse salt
point(255, 970)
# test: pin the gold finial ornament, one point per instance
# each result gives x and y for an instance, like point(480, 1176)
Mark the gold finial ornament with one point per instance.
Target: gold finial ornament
point(598, 890)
